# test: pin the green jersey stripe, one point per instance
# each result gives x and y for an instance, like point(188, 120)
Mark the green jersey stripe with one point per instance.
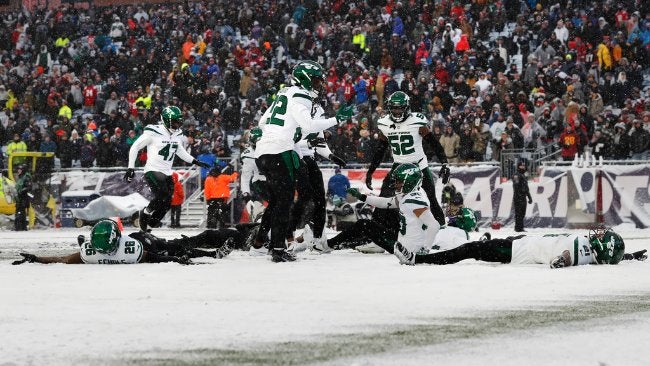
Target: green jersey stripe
point(417, 202)
point(575, 251)
point(152, 130)
point(299, 95)
point(418, 123)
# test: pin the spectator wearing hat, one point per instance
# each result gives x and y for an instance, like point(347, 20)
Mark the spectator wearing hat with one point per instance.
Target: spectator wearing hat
point(521, 195)
point(620, 149)
point(450, 142)
point(639, 141)
point(217, 195)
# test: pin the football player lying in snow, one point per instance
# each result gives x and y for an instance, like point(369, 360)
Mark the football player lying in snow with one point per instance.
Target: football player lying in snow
point(107, 245)
point(418, 227)
point(559, 250)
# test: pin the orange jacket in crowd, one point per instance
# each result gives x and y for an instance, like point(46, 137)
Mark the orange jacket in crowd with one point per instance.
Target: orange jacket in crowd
point(218, 187)
point(179, 195)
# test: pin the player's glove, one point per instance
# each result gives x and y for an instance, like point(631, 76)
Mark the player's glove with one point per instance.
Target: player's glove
point(129, 175)
point(81, 239)
point(201, 164)
point(530, 200)
point(337, 160)
point(344, 113)
point(31, 258)
point(246, 196)
point(369, 180)
point(317, 142)
point(640, 255)
point(444, 174)
point(356, 194)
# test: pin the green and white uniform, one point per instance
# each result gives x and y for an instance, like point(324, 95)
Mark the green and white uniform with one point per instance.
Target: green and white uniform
point(287, 120)
point(129, 251)
point(162, 146)
point(404, 138)
point(249, 171)
point(450, 237)
point(536, 249)
point(413, 234)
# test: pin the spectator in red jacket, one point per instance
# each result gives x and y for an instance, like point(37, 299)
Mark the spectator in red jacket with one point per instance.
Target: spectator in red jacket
point(569, 141)
point(177, 200)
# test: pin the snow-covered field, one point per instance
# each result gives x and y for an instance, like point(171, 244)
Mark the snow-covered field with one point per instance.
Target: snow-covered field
point(344, 308)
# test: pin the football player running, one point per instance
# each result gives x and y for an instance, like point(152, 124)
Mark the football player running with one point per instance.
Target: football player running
point(405, 133)
point(418, 227)
point(557, 250)
point(310, 187)
point(163, 142)
point(283, 124)
point(107, 245)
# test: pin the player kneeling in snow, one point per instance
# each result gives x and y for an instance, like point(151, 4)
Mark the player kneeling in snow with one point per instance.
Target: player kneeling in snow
point(559, 250)
point(107, 245)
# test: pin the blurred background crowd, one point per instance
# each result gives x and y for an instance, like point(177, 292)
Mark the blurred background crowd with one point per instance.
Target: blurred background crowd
point(563, 76)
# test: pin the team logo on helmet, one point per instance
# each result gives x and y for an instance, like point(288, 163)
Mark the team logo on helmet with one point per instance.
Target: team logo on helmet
point(171, 118)
point(608, 245)
point(105, 236)
point(308, 75)
point(408, 178)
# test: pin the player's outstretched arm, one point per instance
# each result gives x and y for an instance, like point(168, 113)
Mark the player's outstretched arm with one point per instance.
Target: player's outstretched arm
point(31, 258)
point(639, 255)
point(151, 257)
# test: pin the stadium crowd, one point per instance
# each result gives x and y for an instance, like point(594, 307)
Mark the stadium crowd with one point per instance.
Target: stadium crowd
point(490, 75)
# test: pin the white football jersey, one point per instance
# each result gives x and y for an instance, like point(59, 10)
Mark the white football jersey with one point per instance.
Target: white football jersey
point(542, 249)
point(412, 231)
point(129, 251)
point(404, 139)
point(450, 237)
point(287, 120)
point(161, 146)
point(249, 171)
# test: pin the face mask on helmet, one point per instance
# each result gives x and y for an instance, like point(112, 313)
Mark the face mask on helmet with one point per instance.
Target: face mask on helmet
point(607, 245)
point(408, 178)
point(105, 237)
point(398, 106)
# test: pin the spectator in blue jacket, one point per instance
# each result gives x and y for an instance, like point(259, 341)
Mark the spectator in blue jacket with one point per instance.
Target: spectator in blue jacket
point(338, 184)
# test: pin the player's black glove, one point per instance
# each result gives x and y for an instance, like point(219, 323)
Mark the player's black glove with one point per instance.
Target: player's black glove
point(31, 258)
point(81, 239)
point(640, 255)
point(444, 174)
point(200, 163)
point(369, 180)
point(337, 160)
point(317, 142)
point(356, 194)
point(530, 200)
point(129, 175)
point(246, 196)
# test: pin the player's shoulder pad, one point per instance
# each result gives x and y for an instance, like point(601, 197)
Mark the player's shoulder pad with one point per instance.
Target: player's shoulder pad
point(384, 121)
point(417, 119)
point(154, 129)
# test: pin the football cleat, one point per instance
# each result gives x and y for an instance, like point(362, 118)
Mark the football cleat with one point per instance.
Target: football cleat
point(225, 249)
point(403, 254)
point(281, 255)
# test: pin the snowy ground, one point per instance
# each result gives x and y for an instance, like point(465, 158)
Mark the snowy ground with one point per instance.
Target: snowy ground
point(344, 308)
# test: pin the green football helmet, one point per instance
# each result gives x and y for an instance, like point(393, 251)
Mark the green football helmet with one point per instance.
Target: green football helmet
point(466, 219)
point(254, 135)
point(408, 178)
point(399, 106)
point(105, 236)
point(171, 117)
point(607, 245)
point(308, 75)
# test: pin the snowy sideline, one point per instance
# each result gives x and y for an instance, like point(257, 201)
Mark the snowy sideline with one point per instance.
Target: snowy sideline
point(344, 308)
